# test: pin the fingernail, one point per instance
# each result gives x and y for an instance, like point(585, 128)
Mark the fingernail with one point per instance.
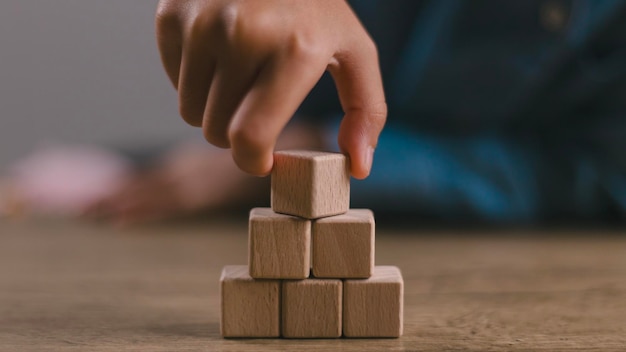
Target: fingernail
point(369, 157)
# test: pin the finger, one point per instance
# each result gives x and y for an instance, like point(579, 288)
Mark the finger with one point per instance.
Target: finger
point(231, 81)
point(359, 84)
point(169, 40)
point(272, 100)
point(196, 72)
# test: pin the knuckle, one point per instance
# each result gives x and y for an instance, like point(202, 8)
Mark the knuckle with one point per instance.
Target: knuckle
point(246, 30)
point(370, 48)
point(304, 47)
point(229, 21)
point(373, 115)
point(198, 27)
point(377, 114)
point(245, 33)
point(379, 110)
point(166, 16)
point(246, 138)
point(233, 24)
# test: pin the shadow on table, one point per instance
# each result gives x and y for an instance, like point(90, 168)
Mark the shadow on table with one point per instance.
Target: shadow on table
point(198, 330)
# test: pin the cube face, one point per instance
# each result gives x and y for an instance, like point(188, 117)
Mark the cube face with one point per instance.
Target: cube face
point(343, 245)
point(310, 184)
point(279, 245)
point(312, 308)
point(374, 307)
point(250, 308)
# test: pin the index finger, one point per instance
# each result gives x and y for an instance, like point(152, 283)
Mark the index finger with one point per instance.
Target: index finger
point(280, 88)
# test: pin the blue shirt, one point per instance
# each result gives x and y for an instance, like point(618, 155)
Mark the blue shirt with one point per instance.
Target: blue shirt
point(498, 110)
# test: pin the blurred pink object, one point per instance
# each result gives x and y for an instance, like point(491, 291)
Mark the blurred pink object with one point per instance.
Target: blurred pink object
point(61, 180)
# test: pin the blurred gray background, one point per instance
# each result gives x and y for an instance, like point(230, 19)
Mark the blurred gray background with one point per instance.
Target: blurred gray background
point(82, 71)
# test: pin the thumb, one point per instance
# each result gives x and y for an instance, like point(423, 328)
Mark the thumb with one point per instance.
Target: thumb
point(359, 84)
point(358, 137)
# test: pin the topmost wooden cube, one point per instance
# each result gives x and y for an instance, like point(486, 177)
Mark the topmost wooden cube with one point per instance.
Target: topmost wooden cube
point(310, 184)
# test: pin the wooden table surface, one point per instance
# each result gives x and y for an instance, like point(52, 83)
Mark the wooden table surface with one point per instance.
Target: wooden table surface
point(80, 287)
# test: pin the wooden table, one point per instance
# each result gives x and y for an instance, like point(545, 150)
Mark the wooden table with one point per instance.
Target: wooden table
point(80, 287)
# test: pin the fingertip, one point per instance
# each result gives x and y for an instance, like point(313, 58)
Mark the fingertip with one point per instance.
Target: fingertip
point(214, 136)
point(357, 141)
point(366, 165)
point(361, 162)
point(250, 153)
point(255, 165)
point(359, 173)
point(360, 155)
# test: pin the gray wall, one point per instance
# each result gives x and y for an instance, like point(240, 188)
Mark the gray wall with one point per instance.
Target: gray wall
point(82, 71)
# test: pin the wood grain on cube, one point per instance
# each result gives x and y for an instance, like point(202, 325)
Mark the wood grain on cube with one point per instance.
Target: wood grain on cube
point(343, 245)
point(310, 184)
point(279, 245)
point(311, 308)
point(374, 307)
point(250, 308)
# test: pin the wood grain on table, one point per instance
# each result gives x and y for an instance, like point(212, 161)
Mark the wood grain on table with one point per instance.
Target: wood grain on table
point(81, 287)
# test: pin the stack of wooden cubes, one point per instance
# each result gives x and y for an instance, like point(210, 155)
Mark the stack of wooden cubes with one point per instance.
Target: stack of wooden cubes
point(310, 271)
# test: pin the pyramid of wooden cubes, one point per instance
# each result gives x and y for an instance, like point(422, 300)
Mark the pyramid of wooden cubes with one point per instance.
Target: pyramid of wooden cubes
point(311, 271)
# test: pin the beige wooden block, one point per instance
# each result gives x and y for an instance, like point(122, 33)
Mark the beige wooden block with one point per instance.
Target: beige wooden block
point(250, 308)
point(343, 245)
point(374, 307)
point(279, 246)
point(311, 308)
point(310, 184)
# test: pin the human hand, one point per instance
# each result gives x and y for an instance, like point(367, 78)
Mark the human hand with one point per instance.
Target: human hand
point(190, 179)
point(242, 68)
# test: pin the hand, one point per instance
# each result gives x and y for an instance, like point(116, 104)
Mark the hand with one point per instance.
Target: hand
point(189, 180)
point(242, 68)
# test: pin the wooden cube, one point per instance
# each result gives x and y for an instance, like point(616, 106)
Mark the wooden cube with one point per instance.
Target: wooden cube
point(343, 245)
point(374, 307)
point(250, 308)
point(311, 308)
point(310, 184)
point(279, 246)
